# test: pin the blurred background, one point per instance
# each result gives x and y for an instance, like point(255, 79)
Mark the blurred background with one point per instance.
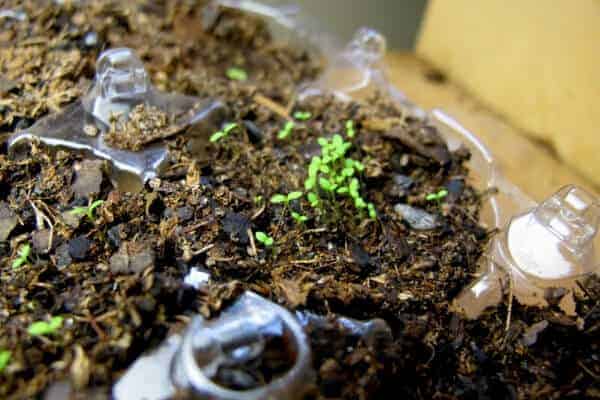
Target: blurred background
point(398, 20)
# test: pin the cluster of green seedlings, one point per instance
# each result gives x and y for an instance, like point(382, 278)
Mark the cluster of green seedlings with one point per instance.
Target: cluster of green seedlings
point(332, 174)
point(38, 328)
point(335, 175)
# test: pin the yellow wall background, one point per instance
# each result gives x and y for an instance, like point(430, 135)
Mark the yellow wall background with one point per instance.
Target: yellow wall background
point(535, 62)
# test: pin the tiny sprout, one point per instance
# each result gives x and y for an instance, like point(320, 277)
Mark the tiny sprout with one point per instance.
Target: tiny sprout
point(326, 184)
point(45, 328)
point(350, 132)
point(313, 199)
point(223, 133)
point(89, 210)
point(237, 74)
point(437, 196)
point(372, 212)
point(299, 218)
point(286, 130)
point(23, 256)
point(302, 115)
point(265, 239)
point(282, 198)
point(4, 359)
point(258, 199)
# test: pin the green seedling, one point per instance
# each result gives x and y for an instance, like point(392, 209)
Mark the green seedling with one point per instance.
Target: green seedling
point(372, 212)
point(89, 210)
point(22, 256)
point(302, 115)
point(437, 196)
point(258, 199)
point(350, 132)
point(237, 74)
point(265, 239)
point(223, 133)
point(334, 174)
point(313, 199)
point(285, 199)
point(299, 218)
point(4, 359)
point(41, 328)
point(286, 130)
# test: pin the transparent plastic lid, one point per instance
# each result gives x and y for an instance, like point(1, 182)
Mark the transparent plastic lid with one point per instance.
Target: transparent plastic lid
point(209, 350)
point(123, 118)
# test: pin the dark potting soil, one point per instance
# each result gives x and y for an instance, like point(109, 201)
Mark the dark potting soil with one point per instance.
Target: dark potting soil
point(116, 278)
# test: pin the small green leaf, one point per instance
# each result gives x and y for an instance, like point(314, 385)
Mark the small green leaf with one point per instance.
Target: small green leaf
point(261, 236)
point(237, 74)
point(358, 165)
point(278, 198)
point(325, 169)
point(79, 211)
point(350, 129)
point(322, 142)
point(326, 184)
point(302, 115)
point(437, 196)
point(215, 137)
point(22, 256)
point(372, 212)
point(310, 183)
point(348, 172)
point(299, 217)
point(264, 238)
point(92, 207)
point(258, 199)
point(337, 141)
point(229, 127)
point(313, 199)
point(45, 328)
point(359, 203)
point(4, 359)
point(286, 130)
point(294, 196)
point(343, 190)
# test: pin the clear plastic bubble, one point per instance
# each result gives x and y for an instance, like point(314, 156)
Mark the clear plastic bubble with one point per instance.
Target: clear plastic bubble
point(121, 87)
point(549, 246)
point(240, 334)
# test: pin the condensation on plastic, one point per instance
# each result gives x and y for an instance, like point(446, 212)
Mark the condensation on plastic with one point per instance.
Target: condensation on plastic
point(189, 363)
point(121, 83)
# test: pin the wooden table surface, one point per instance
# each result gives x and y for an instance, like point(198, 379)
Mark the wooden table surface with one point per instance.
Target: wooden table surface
point(531, 166)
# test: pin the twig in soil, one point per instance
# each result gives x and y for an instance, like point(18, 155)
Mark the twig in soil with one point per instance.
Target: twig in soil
point(203, 249)
point(198, 225)
point(315, 230)
point(252, 243)
point(271, 105)
point(509, 313)
point(89, 318)
point(510, 303)
point(40, 218)
point(586, 369)
point(257, 214)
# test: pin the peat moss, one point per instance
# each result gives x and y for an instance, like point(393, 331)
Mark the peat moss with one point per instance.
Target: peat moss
point(205, 208)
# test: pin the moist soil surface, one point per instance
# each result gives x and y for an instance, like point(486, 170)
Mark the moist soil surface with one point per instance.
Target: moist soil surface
point(112, 282)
